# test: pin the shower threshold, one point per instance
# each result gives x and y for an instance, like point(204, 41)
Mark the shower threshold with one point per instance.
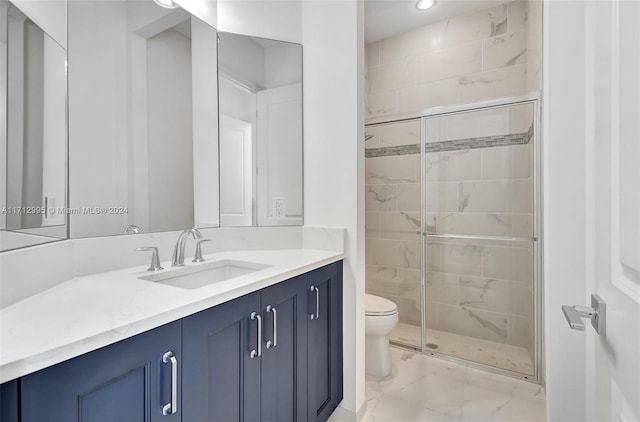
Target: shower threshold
point(499, 355)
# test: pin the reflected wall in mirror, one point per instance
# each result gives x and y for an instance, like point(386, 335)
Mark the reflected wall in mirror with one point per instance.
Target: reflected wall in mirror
point(33, 136)
point(143, 118)
point(260, 131)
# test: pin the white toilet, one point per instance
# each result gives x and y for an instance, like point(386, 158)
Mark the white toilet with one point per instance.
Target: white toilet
point(381, 315)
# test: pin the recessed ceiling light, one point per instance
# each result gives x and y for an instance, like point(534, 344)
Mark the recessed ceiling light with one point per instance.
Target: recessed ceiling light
point(425, 4)
point(169, 4)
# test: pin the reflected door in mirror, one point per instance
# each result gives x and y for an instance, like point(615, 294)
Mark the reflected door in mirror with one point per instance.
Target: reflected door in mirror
point(260, 131)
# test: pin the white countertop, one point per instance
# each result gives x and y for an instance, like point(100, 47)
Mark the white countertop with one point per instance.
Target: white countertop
point(86, 313)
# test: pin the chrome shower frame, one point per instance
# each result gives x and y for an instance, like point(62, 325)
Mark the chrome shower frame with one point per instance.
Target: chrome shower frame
point(536, 240)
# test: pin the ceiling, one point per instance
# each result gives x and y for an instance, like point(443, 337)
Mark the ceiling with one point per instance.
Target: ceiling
point(385, 18)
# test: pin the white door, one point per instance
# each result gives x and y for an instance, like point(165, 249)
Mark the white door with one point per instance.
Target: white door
point(592, 206)
point(613, 362)
point(236, 175)
point(279, 148)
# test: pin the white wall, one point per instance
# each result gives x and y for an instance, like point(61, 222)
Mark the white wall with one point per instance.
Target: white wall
point(282, 65)
point(33, 118)
point(206, 186)
point(333, 39)
point(564, 97)
point(235, 101)
point(243, 60)
point(97, 114)
point(259, 67)
point(15, 118)
point(206, 10)
point(55, 130)
point(275, 19)
point(169, 117)
point(50, 15)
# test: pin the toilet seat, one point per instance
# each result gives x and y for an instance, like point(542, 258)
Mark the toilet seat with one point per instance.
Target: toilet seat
point(379, 306)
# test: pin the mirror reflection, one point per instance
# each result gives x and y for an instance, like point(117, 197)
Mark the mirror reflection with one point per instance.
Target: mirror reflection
point(33, 140)
point(260, 131)
point(143, 127)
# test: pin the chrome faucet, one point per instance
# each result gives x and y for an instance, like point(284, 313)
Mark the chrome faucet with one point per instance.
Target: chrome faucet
point(132, 229)
point(178, 251)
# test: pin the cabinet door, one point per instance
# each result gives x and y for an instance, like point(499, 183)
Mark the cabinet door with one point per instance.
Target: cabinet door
point(284, 356)
point(324, 341)
point(9, 402)
point(126, 381)
point(221, 379)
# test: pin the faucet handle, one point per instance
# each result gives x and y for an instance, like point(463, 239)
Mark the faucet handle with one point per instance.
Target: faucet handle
point(155, 258)
point(198, 257)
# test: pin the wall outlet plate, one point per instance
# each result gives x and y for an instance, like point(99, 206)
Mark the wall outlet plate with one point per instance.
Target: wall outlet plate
point(278, 207)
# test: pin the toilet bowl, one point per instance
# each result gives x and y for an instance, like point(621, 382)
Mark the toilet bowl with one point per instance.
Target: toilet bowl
point(381, 315)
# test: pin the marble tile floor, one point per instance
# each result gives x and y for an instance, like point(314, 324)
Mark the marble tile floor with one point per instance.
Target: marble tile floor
point(424, 388)
point(500, 355)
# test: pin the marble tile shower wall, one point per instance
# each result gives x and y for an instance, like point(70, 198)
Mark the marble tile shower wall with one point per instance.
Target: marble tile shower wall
point(392, 221)
point(464, 59)
point(534, 45)
point(481, 289)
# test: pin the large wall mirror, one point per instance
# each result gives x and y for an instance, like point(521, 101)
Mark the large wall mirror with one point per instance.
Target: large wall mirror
point(143, 126)
point(164, 123)
point(33, 132)
point(260, 131)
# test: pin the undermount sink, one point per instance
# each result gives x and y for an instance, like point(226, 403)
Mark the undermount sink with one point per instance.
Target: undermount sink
point(196, 276)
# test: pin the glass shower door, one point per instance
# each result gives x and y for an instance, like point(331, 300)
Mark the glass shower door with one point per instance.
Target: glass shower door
point(479, 244)
point(393, 225)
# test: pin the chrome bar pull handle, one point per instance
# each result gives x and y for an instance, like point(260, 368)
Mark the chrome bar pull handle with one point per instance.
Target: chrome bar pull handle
point(257, 352)
point(316, 314)
point(317, 302)
point(274, 342)
point(596, 313)
point(171, 407)
point(312, 316)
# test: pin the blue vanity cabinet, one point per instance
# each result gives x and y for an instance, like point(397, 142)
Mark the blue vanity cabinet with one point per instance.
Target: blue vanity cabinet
point(284, 383)
point(9, 402)
point(274, 355)
point(324, 341)
point(221, 378)
point(126, 381)
point(227, 377)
